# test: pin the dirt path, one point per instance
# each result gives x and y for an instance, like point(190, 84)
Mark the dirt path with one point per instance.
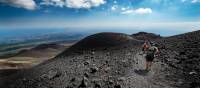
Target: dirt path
point(139, 78)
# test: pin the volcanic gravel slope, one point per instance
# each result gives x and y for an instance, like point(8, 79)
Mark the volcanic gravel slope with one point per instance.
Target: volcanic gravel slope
point(120, 67)
point(102, 41)
point(182, 54)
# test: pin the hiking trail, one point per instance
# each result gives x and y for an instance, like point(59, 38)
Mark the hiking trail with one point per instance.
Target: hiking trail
point(141, 78)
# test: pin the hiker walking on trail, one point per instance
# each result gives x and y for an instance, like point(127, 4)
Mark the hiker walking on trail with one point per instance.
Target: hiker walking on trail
point(145, 46)
point(151, 52)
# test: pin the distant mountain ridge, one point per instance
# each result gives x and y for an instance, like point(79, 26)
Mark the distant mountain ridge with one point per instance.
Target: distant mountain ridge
point(42, 50)
point(37, 51)
point(12, 46)
point(146, 36)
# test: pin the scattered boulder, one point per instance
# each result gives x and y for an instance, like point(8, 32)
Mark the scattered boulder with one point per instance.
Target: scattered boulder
point(53, 74)
point(73, 79)
point(97, 85)
point(86, 75)
point(117, 86)
point(93, 69)
point(84, 83)
point(87, 63)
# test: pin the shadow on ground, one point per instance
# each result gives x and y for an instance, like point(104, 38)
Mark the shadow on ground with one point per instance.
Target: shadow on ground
point(141, 72)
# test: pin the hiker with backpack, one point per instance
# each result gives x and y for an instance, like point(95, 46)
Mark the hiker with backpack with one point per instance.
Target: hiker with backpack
point(151, 53)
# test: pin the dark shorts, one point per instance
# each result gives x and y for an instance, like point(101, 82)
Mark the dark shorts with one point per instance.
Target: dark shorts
point(149, 57)
point(144, 49)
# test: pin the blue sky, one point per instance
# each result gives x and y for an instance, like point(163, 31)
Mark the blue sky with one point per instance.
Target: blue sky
point(90, 14)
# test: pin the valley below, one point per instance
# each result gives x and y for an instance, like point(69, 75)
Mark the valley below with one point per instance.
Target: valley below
point(27, 57)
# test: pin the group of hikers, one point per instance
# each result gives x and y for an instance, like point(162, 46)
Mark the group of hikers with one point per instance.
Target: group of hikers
point(151, 50)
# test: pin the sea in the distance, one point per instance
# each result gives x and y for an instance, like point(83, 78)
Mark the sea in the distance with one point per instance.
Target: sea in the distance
point(9, 34)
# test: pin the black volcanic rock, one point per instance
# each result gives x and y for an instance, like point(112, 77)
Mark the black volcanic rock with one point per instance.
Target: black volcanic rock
point(182, 53)
point(102, 41)
point(145, 36)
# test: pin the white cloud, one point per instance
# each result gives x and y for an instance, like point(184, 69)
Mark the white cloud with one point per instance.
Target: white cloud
point(195, 1)
point(143, 11)
point(128, 12)
point(191, 1)
point(138, 11)
point(84, 3)
point(57, 3)
point(74, 3)
point(115, 2)
point(27, 4)
point(113, 8)
point(123, 8)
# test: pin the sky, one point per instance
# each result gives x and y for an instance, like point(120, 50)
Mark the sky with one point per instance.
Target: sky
point(179, 15)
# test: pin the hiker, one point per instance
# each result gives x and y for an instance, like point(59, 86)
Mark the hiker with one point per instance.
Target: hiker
point(151, 53)
point(145, 46)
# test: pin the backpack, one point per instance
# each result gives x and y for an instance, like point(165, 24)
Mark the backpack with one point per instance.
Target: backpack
point(151, 50)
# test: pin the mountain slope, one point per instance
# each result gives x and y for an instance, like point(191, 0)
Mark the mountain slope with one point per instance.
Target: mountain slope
point(42, 50)
point(109, 68)
point(101, 41)
point(115, 68)
point(182, 54)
